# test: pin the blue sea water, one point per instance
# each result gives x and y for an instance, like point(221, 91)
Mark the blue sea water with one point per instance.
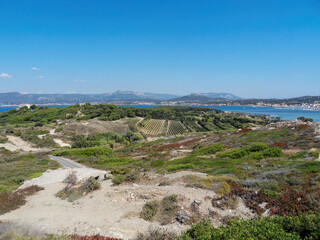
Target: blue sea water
point(284, 113)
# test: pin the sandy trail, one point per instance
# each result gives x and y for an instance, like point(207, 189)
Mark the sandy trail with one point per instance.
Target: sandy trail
point(17, 144)
point(57, 176)
point(111, 211)
point(61, 143)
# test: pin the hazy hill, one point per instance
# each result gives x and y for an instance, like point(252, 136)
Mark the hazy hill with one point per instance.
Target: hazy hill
point(221, 95)
point(194, 98)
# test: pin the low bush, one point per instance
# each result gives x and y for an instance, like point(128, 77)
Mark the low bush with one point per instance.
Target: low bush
point(289, 202)
point(69, 193)
point(149, 210)
point(310, 167)
point(209, 150)
point(3, 139)
point(277, 228)
point(86, 152)
point(156, 234)
point(219, 184)
point(71, 179)
point(72, 193)
point(90, 184)
point(133, 176)
point(32, 137)
point(11, 201)
point(256, 151)
point(168, 209)
point(162, 211)
point(116, 161)
point(118, 179)
point(177, 167)
point(304, 154)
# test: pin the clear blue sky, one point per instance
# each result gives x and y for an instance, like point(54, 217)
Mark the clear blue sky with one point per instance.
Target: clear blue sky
point(251, 48)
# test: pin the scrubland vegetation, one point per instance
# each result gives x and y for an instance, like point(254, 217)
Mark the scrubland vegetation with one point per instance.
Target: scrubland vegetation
point(16, 168)
point(272, 168)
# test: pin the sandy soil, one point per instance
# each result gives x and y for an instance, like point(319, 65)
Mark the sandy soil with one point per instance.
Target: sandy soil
point(61, 143)
point(111, 211)
point(57, 176)
point(95, 126)
point(17, 144)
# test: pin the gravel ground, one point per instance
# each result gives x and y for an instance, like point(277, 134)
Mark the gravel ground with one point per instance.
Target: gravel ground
point(111, 211)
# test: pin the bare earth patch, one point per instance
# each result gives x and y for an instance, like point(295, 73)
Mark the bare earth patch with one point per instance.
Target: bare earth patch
point(112, 211)
point(95, 126)
point(17, 144)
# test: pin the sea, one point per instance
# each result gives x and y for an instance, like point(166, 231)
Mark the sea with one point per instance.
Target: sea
point(283, 113)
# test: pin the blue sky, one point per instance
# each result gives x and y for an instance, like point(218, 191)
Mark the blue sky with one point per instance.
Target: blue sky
point(251, 48)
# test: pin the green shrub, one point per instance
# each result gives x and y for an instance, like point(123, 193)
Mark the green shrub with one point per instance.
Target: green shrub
point(91, 184)
point(254, 151)
point(35, 175)
point(118, 179)
point(3, 139)
point(162, 211)
point(43, 162)
point(86, 152)
point(250, 229)
point(149, 210)
point(303, 119)
point(116, 161)
point(32, 137)
point(133, 176)
point(177, 167)
point(72, 193)
point(168, 210)
point(270, 193)
point(304, 154)
point(268, 153)
point(304, 226)
point(310, 167)
point(209, 150)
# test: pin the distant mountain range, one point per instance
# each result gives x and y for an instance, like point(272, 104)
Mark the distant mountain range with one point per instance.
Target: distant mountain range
point(15, 98)
point(130, 97)
point(205, 97)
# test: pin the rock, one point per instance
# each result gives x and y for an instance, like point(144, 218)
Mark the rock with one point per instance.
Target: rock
point(216, 198)
point(219, 204)
point(195, 206)
point(212, 213)
point(183, 217)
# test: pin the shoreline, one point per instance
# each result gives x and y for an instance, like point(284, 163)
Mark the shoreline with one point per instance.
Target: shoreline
point(288, 107)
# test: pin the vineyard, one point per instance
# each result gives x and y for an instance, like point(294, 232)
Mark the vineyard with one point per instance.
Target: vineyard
point(152, 126)
point(175, 128)
point(193, 126)
point(161, 127)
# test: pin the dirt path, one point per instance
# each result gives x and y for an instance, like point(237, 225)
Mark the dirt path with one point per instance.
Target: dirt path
point(61, 143)
point(111, 211)
point(17, 144)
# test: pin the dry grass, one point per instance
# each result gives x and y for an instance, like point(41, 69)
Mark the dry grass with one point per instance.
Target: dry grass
point(95, 126)
point(219, 184)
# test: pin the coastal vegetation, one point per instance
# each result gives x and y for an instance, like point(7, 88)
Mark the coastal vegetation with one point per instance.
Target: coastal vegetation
point(268, 167)
point(17, 168)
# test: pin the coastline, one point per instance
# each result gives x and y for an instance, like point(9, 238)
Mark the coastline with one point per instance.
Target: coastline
point(303, 107)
